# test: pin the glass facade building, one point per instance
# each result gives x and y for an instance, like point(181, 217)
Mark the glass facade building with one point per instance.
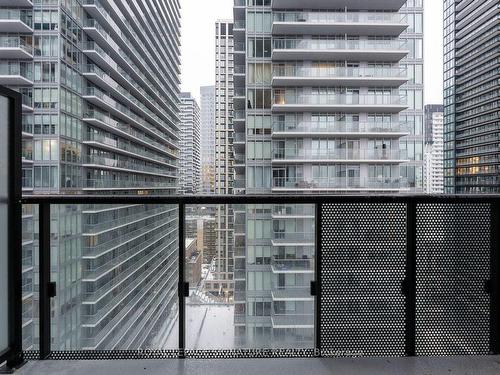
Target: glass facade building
point(100, 87)
point(190, 147)
point(471, 96)
point(434, 150)
point(328, 99)
point(207, 104)
point(222, 278)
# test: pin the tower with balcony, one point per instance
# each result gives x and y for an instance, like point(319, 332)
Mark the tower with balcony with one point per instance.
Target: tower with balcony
point(330, 101)
point(100, 83)
point(190, 145)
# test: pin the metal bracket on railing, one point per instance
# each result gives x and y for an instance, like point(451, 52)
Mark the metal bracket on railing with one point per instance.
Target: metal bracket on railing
point(487, 287)
point(184, 289)
point(52, 289)
point(405, 288)
point(314, 291)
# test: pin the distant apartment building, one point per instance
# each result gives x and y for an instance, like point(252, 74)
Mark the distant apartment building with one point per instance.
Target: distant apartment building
point(222, 276)
point(207, 94)
point(190, 145)
point(100, 85)
point(328, 98)
point(434, 148)
point(471, 97)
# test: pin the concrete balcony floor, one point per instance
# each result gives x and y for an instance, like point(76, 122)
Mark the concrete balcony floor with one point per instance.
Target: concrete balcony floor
point(339, 366)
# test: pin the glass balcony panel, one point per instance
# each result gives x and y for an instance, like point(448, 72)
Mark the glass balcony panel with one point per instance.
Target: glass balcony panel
point(341, 17)
point(116, 272)
point(30, 275)
point(332, 44)
point(250, 285)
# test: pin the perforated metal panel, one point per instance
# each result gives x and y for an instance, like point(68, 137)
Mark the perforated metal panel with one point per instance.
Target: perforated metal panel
point(113, 354)
point(453, 265)
point(250, 353)
point(363, 258)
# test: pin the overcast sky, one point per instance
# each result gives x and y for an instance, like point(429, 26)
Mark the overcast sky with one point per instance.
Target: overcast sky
point(198, 44)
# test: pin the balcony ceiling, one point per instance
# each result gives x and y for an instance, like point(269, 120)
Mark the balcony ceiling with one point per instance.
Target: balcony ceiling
point(14, 80)
point(14, 26)
point(338, 4)
point(15, 3)
point(14, 53)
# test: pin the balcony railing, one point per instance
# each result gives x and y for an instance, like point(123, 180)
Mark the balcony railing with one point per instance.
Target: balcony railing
point(380, 275)
point(339, 99)
point(341, 17)
point(340, 127)
point(23, 15)
point(16, 68)
point(338, 72)
point(341, 183)
point(339, 154)
point(16, 42)
point(332, 44)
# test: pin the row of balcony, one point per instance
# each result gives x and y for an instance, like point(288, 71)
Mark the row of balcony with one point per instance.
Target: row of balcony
point(340, 184)
point(15, 47)
point(305, 265)
point(97, 54)
point(99, 77)
point(103, 100)
point(290, 129)
point(291, 102)
point(345, 17)
point(131, 166)
point(16, 20)
point(127, 148)
point(329, 74)
point(118, 184)
point(340, 154)
point(379, 5)
point(335, 23)
point(99, 33)
point(105, 121)
point(16, 73)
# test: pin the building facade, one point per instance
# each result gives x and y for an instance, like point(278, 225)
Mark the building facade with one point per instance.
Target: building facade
point(190, 146)
point(207, 95)
point(222, 275)
point(328, 98)
point(100, 86)
point(434, 150)
point(471, 96)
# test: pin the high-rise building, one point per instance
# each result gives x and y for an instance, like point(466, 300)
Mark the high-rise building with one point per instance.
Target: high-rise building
point(190, 155)
point(224, 88)
point(222, 277)
point(207, 94)
point(471, 97)
point(433, 156)
point(100, 87)
point(328, 98)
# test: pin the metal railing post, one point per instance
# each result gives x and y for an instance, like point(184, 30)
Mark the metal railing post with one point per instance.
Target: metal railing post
point(317, 270)
point(409, 285)
point(495, 279)
point(181, 286)
point(44, 256)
